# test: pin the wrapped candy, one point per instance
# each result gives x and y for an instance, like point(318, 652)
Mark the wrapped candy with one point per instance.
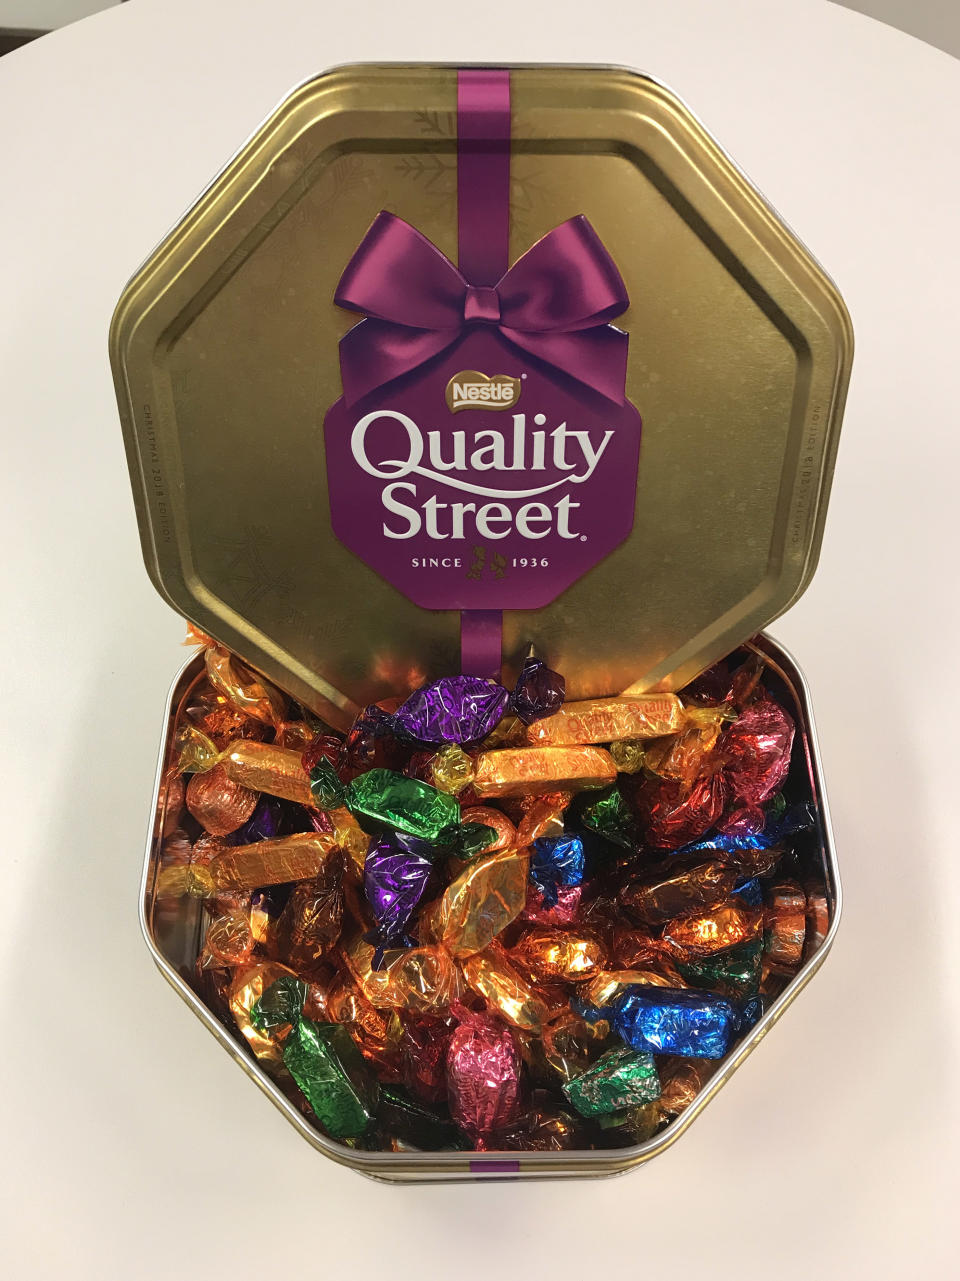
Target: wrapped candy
point(491, 975)
point(678, 886)
point(514, 771)
point(483, 1075)
point(602, 720)
point(327, 1067)
point(539, 692)
point(556, 861)
point(505, 834)
point(786, 927)
point(675, 1021)
point(451, 770)
point(616, 886)
point(703, 934)
point(309, 924)
point(555, 954)
point(482, 901)
point(242, 688)
point(406, 804)
point(454, 709)
point(219, 804)
point(621, 1078)
point(757, 750)
point(395, 875)
point(287, 858)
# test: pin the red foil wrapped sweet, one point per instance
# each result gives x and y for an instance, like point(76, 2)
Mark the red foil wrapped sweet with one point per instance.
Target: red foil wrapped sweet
point(757, 749)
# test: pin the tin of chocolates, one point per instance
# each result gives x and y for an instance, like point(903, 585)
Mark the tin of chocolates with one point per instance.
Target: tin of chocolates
point(504, 373)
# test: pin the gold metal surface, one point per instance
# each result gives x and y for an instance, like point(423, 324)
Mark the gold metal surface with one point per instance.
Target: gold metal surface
point(224, 347)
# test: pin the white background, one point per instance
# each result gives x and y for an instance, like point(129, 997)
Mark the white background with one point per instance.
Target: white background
point(132, 1146)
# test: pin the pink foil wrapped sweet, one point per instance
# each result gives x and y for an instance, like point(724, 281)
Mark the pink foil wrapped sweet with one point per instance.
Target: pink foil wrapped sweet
point(756, 749)
point(483, 1075)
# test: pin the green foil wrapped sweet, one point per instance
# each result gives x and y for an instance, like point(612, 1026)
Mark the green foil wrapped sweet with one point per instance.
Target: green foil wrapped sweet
point(281, 1003)
point(406, 804)
point(328, 792)
point(609, 816)
point(621, 1078)
point(735, 972)
point(327, 1066)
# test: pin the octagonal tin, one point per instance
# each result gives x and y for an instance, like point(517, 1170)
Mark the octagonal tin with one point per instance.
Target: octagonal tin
point(225, 354)
point(173, 929)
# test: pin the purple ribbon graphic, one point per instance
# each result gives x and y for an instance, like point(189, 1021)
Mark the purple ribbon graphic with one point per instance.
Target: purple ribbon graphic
point(553, 303)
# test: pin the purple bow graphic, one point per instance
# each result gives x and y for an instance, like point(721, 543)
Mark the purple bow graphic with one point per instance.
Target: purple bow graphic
point(553, 303)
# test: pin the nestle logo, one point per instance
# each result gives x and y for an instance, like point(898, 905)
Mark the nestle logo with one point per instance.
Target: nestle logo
point(473, 390)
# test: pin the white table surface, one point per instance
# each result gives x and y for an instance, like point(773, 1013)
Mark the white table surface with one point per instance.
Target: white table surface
point(131, 1145)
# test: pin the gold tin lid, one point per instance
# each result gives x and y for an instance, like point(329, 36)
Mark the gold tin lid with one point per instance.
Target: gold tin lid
point(225, 354)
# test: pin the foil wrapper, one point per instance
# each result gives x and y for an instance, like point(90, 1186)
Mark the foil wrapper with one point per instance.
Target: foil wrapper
point(483, 1076)
point(287, 858)
point(539, 692)
point(603, 720)
point(556, 861)
point(621, 1078)
point(394, 879)
point(325, 1063)
point(454, 709)
point(218, 803)
point(676, 1021)
point(522, 771)
point(407, 804)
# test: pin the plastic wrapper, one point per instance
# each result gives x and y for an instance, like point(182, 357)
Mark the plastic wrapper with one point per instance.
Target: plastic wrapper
point(505, 833)
point(229, 940)
point(526, 770)
point(671, 814)
point(785, 921)
point(482, 901)
point(454, 709)
point(425, 980)
point(451, 770)
point(545, 1128)
point(376, 1032)
point(259, 767)
point(681, 1080)
point(677, 886)
point(543, 818)
point(407, 1119)
point(539, 692)
point(704, 934)
point(246, 988)
point(676, 1021)
point(572, 1043)
point(423, 1049)
point(559, 955)
point(287, 858)
point(734, 973)
point(565, 911)
point(491, 975)
point(310, 923)
point(483, 1076)
point(602, 720)
point(243, 690)
point(621, 1078)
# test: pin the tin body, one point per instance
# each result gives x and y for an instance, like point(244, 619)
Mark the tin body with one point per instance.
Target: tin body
point(173, 929)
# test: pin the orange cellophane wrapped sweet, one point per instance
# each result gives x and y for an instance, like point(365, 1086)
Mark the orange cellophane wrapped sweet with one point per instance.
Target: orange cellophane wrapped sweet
point(605, 986)
point(483, 900)
point(570, 1043)
point(377, 1033)
point(425, 980)
point(785, 919)
point(218, 803)
point(690, 754)
point(543, 818)
point(352, 839)
point(491, 975)
point(676, 886)
point(272, 862)
point(243, 689)
point(375, 984)
point(265, 768)
point(559, 955)
point(703, 934)
point(603, 720)
point(519, 770)
point(229, 940)
point(248, 985)
point(489, 817)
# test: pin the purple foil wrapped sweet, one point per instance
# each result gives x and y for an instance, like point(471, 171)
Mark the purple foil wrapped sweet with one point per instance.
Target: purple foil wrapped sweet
point(454, 709)
point(395, 874)
point(539, 691)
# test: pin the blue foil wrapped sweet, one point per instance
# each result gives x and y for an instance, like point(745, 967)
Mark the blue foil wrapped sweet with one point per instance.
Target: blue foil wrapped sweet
point(676, 1021)
point(395, 874)
point(539, 692)
point(454, 709)
point(556, 861)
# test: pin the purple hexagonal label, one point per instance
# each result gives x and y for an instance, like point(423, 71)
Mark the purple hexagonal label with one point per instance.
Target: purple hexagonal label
point(482, 480)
